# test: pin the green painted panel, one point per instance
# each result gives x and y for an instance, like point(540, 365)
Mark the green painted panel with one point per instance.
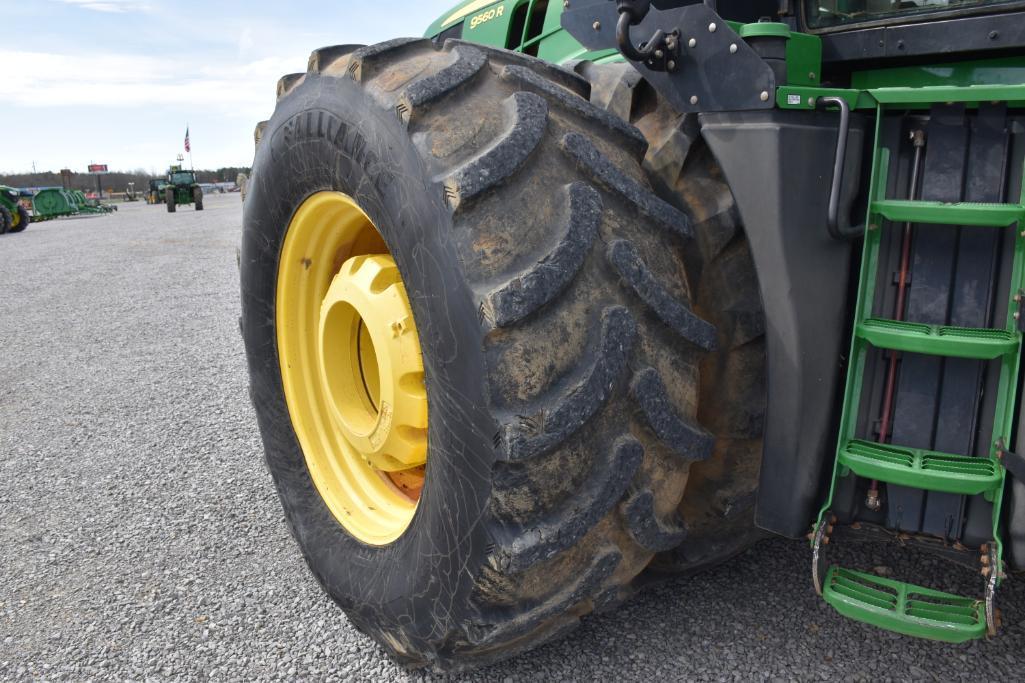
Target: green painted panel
point(462, 12)
point(1009, 71)
point(804, 59)
point(492, 25)
point(926, 96)
point(803, 97)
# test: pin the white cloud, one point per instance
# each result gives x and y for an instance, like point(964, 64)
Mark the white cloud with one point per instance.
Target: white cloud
point(47, 79)
point(245, 41)
point(114, 6)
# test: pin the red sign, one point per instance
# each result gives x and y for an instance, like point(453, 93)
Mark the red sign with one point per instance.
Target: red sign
point(97, 168)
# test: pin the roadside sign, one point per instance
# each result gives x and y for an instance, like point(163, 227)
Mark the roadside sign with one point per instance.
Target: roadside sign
point(98, 170)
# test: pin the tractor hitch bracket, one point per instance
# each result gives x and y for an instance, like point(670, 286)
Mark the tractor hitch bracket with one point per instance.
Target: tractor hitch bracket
point(693, 58)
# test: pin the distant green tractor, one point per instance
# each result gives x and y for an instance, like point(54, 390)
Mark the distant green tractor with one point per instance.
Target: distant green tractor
point(182, 188)
point(13, 216)
point(155, 194)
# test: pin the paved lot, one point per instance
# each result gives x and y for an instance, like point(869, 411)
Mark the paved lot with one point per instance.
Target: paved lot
point(140, 536)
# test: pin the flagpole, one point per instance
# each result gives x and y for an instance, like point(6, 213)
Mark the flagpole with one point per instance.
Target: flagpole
point(191, 165)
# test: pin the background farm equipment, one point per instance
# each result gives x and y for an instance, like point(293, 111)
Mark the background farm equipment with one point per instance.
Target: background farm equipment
point(84, 204)
point(53, 202)
point(14, 217)
point(56, 202)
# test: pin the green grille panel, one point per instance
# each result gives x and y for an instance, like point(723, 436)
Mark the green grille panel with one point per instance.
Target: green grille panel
point(904, 607)
point(939, 340)
point(920, 468)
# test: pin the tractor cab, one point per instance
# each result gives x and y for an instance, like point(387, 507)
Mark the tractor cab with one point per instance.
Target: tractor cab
point(181, 188)
point(176, 176)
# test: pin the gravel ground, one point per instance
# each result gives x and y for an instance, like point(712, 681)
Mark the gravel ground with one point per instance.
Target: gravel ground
point(140, 536)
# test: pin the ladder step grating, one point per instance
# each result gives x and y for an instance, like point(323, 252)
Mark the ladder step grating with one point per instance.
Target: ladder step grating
point(920, 468)
point(944, 213)
point(938, 340)
point(855, 589)
point(903, 607)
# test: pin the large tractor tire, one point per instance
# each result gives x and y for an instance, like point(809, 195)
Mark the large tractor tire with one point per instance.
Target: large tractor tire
point(5, 220)
point(718, 505)
point(472, 345)
point(20, 219)
point(169, 199)
point(197, 198)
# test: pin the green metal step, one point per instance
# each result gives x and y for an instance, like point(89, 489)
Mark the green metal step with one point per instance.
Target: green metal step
point(919, 468)
point(938, 340)
point(929, 95)
point(904, 607)
point(944, 213)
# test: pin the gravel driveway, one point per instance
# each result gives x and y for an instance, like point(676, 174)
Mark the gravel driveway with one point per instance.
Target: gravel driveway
point(140, 536)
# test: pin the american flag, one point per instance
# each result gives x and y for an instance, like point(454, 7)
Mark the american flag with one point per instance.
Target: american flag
point(188, 147)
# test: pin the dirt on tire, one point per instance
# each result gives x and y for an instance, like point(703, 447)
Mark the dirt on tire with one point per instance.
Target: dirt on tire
point(573, 324)
point(719, 502)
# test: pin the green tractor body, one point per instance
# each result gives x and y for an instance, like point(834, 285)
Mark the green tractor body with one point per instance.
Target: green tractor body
point(180, 188)
point(14, 217)
point(533, 28)
point(155, 192)
point(826, 196)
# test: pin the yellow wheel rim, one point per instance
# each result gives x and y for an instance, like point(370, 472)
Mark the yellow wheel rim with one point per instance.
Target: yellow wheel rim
point(351, 367)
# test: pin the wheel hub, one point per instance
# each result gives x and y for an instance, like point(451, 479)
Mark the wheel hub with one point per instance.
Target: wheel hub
point(351, 368)
point(370, 364)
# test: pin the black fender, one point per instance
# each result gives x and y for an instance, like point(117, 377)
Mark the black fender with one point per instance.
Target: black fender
point(779, 167)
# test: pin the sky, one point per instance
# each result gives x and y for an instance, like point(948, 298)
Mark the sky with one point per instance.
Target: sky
point(118, 81)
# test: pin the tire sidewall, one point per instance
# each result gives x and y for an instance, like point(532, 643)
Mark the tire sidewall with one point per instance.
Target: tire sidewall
point(23, 218)
point(329, 135)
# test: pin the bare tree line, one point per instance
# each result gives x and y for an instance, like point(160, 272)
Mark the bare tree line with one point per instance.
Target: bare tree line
point(116, 181)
